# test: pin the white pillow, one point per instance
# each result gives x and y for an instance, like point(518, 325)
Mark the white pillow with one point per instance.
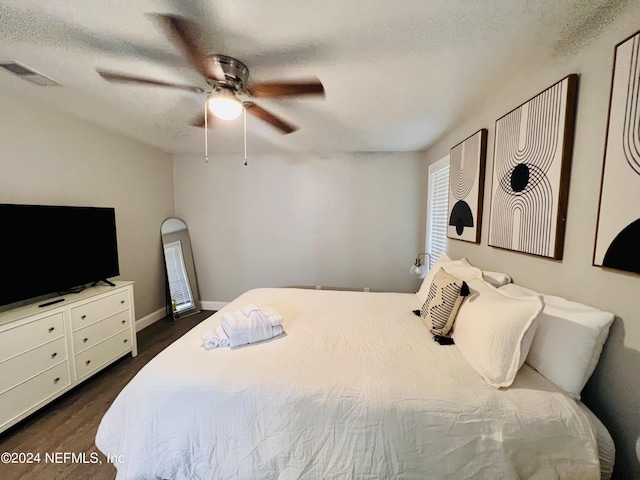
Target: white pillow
point(568, 342)
point(461, 269)
point(497, 279)
point(490, 331)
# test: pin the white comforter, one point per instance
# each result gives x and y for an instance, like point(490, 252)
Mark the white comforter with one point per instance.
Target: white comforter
point(355, 389)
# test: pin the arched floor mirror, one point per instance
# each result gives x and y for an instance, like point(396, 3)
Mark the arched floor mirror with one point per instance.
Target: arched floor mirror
point(183, 298)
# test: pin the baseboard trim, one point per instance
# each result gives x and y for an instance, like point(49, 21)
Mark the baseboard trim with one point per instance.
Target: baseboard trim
point(159, 314)
point(150, 319)
point(211, 305)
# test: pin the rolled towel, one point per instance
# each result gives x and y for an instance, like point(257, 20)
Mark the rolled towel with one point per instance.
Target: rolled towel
point(209, 340)
point(222, 335)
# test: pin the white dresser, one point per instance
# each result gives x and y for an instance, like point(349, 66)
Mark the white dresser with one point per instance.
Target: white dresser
point(45, 351)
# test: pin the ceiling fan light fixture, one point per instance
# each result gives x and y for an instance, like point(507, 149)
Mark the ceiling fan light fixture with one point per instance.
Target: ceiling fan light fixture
point(224, 105)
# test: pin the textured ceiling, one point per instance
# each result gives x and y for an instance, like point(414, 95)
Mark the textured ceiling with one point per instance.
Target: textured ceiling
point(397, 74)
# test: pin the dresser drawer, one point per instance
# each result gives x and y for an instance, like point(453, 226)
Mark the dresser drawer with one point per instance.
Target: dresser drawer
point(93, 334)
point(15, 341)
point(22, 367)
point(95, 357)
point(27, 395)
point(97, 310)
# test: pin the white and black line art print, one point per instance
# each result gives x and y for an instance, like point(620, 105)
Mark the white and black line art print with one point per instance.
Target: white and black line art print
point(466, 187)
point(618, 231)
point(531, 167)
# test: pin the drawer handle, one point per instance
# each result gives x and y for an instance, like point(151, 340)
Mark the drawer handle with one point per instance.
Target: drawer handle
point(87, 362)
point(125, 340)
point(121, 302)
point(54, 354)
point(51, 329)
point(85, 340)
point(56, 380)
point(83, 317)
point(124, 321)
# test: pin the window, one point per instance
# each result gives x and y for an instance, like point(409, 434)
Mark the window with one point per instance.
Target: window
point(437, 211)
point(181, 298)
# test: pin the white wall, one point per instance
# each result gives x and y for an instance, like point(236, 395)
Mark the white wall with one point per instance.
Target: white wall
point(614, 390)
point(339, 220)
point(52, 158)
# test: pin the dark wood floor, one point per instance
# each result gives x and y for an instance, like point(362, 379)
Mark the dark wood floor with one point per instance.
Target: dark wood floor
point(69, 424)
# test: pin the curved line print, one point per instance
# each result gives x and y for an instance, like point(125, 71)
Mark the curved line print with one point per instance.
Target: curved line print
point(535, 203)
point(542, 132)
point(461, 179)
point(631, 131)
point(535, 210)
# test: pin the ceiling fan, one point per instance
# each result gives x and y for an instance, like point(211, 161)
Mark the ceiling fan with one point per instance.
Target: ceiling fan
point(226, 76)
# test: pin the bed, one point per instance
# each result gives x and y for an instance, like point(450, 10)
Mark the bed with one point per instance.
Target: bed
point(355, 388)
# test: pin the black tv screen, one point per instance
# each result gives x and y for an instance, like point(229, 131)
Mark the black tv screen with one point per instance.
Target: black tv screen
point(53, 249)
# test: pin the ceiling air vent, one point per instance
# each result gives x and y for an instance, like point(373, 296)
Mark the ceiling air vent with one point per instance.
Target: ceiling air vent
point(29, 74)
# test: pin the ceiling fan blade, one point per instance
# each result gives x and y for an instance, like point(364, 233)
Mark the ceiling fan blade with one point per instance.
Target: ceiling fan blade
point(188, 37)
point(286, 89)
point(124, 78)
point(198, 121)
point(270, 118)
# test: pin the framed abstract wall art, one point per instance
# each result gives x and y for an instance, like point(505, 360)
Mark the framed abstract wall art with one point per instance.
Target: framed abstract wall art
point(618, 230)
point(466, 187)
point(531, 169)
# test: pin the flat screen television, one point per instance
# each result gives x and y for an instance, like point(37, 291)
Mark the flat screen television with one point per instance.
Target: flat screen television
point(54, 249)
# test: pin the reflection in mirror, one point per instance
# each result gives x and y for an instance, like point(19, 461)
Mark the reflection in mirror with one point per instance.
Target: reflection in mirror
point(182, 288)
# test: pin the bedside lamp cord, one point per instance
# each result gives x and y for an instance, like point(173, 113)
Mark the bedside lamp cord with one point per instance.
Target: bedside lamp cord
point(206, 131)
point(244, 119)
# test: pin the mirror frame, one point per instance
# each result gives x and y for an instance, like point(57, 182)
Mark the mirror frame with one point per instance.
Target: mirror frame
point(175, 230)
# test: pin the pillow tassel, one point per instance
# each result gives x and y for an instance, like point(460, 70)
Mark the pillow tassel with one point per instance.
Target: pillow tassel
point(442, 340)
point(464, 290)
point(417, 313)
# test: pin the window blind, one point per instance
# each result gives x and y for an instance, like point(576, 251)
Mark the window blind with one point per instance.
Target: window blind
point(438, 209)
point(181, 298)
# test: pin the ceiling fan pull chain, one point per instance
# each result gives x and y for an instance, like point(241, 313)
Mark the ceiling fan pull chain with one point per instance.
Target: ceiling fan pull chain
point(206, 131)
point(244, 118)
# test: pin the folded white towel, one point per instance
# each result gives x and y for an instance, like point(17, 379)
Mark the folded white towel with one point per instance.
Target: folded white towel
point(273, 316)
point(234, 322)
point(259, 327)
point(242, 329)
point(244, 338)
point(256, 319)
point(260, 312)
point(247, 309)
point(222, 335)
point(209, 340)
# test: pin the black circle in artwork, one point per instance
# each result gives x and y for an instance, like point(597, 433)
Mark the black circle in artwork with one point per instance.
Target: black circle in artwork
point(520, 177)
point(623, 250)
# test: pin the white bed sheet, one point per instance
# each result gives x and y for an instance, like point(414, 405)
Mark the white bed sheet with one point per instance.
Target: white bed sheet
point(356, 388)
point(606, 447)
